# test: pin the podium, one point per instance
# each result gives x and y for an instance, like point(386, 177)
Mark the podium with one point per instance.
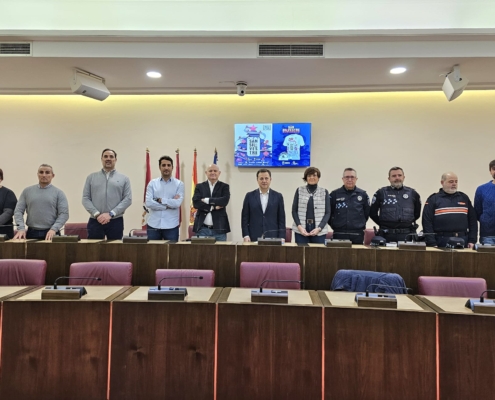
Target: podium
point(269, 351)
point(162, 349)
point(466, 349)
point(14, 248)
point(56, 350)
point(373, 353)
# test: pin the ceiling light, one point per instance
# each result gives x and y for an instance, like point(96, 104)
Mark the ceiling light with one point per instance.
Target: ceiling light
point(154, 74)
point(398, 70)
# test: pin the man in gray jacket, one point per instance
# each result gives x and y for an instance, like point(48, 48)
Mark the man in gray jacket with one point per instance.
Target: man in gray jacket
point(46, 207)
point(106, 196)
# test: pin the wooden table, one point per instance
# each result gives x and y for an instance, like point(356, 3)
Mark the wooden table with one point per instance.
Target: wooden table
point(56, 349)
point(220, 257)
point(251, 251)
point(466, 349)
point(373, 353)
point(163, 349)
point(269, 351)
point(14, 248)
point(59, 256)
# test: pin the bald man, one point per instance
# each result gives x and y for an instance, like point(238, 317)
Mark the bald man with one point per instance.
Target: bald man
point(210, 199)
point(449, 213)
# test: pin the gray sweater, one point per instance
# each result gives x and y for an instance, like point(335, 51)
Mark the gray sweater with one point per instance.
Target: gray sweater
point(47, 208)
point(102, 195)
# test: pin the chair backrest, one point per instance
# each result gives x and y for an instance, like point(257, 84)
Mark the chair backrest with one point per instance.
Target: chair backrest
point(349, 280)
point(450, 286)
point(253, 273)
point(368, 235)
point(111, 273)
point(22, 272)
point(207, 274)
point(190, 232)
point(329, 235)
point(288, 235)
point(76, 228)
point(139, 232)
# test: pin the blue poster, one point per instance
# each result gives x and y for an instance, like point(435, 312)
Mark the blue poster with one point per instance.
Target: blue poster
point(272, 145)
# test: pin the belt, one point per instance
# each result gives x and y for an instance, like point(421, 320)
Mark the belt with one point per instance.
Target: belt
point(451, 234)
point(310, 221)
point(208, 226)
point(407, 230)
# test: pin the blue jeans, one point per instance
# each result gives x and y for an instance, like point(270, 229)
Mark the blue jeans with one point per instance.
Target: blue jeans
point(309, 239)
point(114, 230)
point(203, 231)
point(163, 234)
point(487, 240)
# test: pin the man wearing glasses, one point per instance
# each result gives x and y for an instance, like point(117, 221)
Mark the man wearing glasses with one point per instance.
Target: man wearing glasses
point(350, 209)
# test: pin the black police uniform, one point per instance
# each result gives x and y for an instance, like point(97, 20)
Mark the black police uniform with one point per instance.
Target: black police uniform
point(350, 209)
point(449, 215)
point(396, 212)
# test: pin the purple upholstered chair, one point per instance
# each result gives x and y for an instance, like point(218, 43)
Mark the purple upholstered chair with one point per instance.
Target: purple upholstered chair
point(22, 272)
point(139, 232)
point(288, 235)
point(190, 232)
point(111, 273)
point(368, 235)
point(253, 273)
point(207, 274)
point(449, 286)
point(77, 228)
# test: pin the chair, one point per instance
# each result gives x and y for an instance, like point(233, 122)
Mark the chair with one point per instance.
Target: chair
point(450, 286)
point(190, 232)
point(111, 273)
point(329, 235)
point(139, 232)
point(288, 235)
point(368, 235)
point(22, 272)
point(77, 228)
point(207, 274)
point(349, 280)
point(253, 273)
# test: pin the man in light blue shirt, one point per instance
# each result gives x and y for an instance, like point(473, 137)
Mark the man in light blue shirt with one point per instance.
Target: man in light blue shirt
point(164, 197)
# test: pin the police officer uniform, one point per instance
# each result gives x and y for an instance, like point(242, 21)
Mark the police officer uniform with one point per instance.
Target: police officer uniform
point(396, 211)
point(449, 215)
point(350, 209)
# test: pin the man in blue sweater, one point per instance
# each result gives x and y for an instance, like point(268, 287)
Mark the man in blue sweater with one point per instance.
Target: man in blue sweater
point(484, 205)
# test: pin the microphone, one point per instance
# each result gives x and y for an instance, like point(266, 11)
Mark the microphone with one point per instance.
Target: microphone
point(75, 277)
point(481, 305)
point(388, 286)
point(279, 280)
point(273, 230)
point(176, 277)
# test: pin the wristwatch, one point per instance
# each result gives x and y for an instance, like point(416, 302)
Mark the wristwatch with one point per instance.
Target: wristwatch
point(112, 214)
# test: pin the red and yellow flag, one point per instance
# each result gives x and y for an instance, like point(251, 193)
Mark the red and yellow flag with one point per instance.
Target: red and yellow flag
point(147, 179)
point(177, 176)
point(192, 212)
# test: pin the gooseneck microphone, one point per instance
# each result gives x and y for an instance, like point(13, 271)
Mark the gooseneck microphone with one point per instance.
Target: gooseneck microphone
point(482, 299)
point(279, 280)
point(273, 230)
point(75, 277)
point(388, 286)
point(177, 277)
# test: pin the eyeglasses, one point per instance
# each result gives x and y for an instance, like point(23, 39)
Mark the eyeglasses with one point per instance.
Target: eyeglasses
point(349, 177)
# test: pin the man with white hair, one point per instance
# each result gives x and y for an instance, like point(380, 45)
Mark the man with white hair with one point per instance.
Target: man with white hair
point(449, 213)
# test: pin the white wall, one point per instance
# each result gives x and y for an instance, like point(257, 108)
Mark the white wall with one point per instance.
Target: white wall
point(371, 132)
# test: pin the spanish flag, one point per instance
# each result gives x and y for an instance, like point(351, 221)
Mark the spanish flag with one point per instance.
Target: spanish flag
point(177, 176)
point(147, 179)
point(192, 212)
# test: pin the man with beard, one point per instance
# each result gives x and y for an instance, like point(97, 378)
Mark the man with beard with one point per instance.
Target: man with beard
point(396, 208)
point(449, 213)
point(484, 205)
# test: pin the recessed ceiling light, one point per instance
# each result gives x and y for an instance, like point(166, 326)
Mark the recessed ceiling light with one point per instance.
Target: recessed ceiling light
point(154, 74)
point(398, 70)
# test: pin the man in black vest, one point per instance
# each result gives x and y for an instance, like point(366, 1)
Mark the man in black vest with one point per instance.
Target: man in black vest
point(350, 209)
point(396, 208)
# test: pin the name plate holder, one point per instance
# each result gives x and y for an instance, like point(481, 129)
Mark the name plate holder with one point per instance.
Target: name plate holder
point(270, 296)
point(376, 300)
point(135, 239)
point(485, 307)
point(66, 239)
point(270, 241)
point(3, 238)
point(412, 245)
point(167, 293)
point(63, 293)
point(338, 243)
point(486, 248)
point(203, 240)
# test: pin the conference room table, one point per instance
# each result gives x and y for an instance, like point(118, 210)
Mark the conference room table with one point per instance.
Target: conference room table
point(56, 349)
point(14, 248)
point(466, 342)
point(269, 351)
point(163, 349)
point(378, 353)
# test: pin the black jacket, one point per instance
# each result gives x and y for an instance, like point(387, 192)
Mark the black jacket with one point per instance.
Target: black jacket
point(447, 214)
point(219, 197)
point(395, 208)
point(350, 209)
point(255, 223)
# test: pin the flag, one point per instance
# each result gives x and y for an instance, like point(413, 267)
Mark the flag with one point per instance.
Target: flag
point(177, 176)
point(192, 212)
point(215, 156)
point(147, 179)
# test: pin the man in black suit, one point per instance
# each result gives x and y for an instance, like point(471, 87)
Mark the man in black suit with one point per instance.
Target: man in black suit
point(263, 210)
point(210, 199)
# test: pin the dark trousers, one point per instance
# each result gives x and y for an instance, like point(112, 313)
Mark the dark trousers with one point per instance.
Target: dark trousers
point(163, 234)
point(309, 239)
point(114, 230)
point(396, 237)
point(39, 234)
point(355, 238)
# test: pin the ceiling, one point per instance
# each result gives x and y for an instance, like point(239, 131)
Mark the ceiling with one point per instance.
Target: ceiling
point(213, 65)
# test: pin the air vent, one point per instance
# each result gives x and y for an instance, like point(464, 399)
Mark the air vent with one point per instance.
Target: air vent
point(290, 50)
point(11, 49)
